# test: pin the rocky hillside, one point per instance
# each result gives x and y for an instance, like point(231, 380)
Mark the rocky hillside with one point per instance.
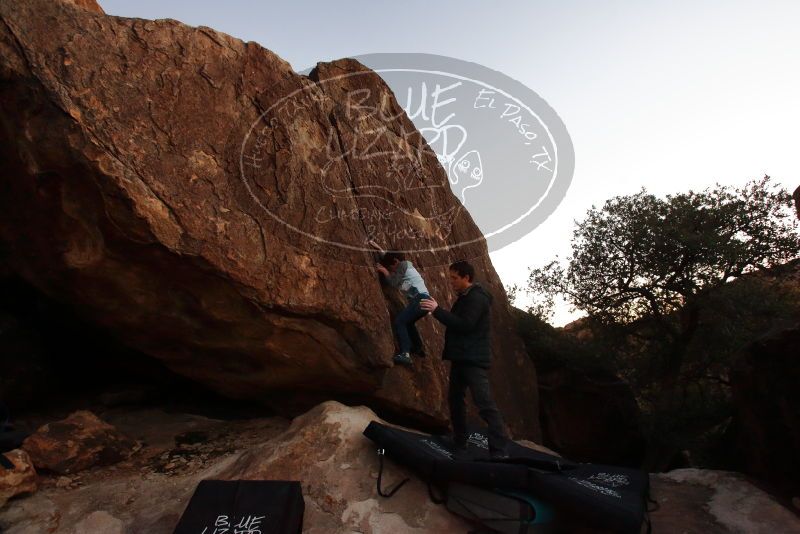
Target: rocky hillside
point(192, 195)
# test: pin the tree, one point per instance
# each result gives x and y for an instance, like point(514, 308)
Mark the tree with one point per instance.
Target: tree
point(651, 270)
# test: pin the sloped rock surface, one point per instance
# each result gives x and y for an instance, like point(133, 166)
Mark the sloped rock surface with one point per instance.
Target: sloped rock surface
point(716, 502)
point(194, 196)
point(337, 465)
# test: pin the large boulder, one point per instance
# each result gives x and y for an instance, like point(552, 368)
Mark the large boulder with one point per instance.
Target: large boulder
point(337, 466)
point(193, 195)
point(78, 442)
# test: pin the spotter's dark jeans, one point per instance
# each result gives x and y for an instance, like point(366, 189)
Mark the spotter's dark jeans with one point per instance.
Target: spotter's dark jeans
point(476, 379)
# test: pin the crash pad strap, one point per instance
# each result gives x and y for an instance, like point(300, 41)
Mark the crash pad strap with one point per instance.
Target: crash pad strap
point(392, 491)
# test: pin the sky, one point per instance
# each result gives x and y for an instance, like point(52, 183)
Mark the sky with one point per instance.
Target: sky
point(669, 96)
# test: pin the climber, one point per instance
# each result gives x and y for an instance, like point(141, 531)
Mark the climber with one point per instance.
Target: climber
point(400, 273)
point(467, 344)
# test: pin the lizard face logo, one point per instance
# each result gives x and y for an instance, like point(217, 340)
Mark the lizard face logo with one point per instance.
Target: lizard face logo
point(466, 173)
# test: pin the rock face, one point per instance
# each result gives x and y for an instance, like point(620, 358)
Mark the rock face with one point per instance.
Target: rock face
point(91, 5)
point(590, 416)
point(22, 479)
point(207, 205)
point(76, 443)
point(767, 407)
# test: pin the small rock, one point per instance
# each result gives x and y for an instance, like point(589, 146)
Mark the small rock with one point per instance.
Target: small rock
point(21, 479)
point(63, 482)
point(78, 442)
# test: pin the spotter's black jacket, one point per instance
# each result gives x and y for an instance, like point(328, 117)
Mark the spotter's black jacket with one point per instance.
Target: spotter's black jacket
point(467, 339)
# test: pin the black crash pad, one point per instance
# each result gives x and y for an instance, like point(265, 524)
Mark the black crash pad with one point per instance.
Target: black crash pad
point(244, 506)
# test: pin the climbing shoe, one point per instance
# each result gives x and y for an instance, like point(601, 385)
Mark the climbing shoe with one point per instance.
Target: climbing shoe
point(403, 358)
